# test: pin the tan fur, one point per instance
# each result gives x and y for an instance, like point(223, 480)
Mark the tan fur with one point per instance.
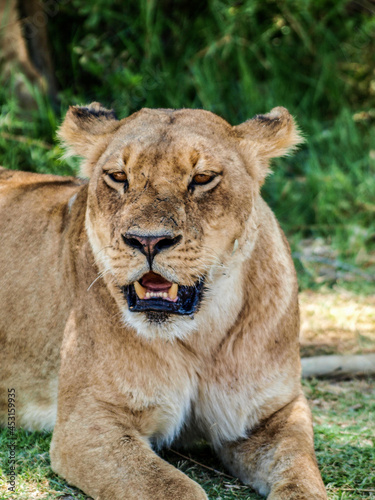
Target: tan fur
point(127, 382)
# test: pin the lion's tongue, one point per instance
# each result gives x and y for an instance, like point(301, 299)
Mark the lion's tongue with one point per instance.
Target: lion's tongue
point(153, 285)
point(155, 282)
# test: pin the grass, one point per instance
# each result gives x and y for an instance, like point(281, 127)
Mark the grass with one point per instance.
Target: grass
point(344, 426)
point(345, 435)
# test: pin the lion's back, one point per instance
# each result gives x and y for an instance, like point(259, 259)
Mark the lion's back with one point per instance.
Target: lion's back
point(34, 213)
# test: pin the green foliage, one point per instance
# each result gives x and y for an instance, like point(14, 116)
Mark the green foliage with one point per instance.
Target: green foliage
point(236, 59)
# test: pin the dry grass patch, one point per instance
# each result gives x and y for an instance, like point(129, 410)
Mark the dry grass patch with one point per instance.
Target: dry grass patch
point(337, 322)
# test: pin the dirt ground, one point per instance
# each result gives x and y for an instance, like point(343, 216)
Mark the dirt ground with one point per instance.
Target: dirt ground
point(336, 322)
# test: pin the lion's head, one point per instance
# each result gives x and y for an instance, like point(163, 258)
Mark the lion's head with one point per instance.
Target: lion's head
point(171, 212)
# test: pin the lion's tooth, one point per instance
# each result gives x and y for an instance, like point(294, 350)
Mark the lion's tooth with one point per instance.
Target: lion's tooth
point(139, 290)
point(172, 293)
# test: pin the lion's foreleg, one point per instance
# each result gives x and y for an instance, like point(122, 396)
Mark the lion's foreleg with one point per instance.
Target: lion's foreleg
point(111, 462)
point(278, 458)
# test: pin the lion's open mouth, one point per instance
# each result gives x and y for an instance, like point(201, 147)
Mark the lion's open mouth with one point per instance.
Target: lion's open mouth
point(154, 293)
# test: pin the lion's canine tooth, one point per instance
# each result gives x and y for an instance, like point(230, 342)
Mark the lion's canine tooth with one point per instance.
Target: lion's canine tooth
point(172, 293)
point(139, 290)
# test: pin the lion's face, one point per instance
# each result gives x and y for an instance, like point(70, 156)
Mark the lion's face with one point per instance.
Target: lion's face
point(171, 200)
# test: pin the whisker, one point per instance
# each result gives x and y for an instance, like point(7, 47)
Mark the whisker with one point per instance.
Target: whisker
point(100, 275)
point(107, 246)
point(117, 315)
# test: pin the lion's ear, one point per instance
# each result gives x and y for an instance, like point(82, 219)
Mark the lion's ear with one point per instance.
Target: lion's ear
point(87, 128)
point(269, 136)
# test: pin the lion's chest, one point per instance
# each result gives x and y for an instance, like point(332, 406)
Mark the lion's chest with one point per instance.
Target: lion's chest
point(187, 406)
point(194, 410)
point(220, 413)
point(190, 403)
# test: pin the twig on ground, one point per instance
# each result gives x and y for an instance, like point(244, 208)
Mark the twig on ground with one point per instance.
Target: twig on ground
point(367, 436)
point(202, 465)
point(337, 488)
point(338, 365)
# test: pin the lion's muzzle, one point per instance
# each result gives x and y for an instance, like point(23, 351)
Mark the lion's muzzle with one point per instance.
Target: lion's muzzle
point(151, 245)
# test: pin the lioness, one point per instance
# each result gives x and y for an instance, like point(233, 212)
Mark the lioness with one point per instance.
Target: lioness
point(156, 302)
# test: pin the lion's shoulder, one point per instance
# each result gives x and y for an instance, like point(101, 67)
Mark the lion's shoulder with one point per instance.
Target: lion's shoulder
point(18, 178)
point(36, 190)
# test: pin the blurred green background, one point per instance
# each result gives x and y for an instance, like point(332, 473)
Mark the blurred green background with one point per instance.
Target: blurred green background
point(236, 59)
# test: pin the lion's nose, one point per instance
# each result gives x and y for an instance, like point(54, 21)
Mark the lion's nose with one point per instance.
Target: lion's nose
point(150, 245)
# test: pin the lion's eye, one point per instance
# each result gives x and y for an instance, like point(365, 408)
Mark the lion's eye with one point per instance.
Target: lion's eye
point(117, 180)
point(118, 176)
point(201, 179)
